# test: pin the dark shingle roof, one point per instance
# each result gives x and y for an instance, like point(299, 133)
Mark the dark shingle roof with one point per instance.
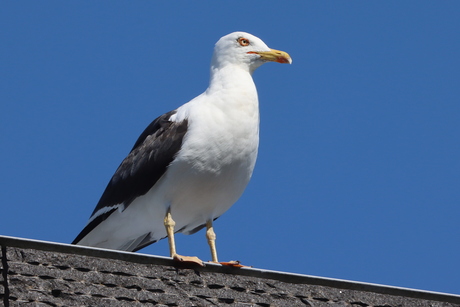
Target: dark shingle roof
point(52, 274)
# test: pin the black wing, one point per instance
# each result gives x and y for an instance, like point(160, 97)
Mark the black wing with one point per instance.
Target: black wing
point(153, 151)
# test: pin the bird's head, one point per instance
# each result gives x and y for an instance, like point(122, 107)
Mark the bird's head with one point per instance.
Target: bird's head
point(247, 50)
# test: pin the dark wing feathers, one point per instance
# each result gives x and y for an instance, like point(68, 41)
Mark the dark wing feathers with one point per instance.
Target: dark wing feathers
point(154, 150)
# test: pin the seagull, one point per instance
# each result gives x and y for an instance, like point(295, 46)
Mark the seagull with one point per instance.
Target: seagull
point(190, 165)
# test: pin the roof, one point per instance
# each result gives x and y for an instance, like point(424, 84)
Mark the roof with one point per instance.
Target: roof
point(59, 274)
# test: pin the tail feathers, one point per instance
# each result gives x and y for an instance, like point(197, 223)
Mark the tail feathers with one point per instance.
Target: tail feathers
point(129, 245)
point(93, 224)
point(137, 244)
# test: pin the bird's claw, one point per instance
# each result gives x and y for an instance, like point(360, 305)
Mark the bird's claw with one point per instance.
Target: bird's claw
point(234, 264)
point(188, 259)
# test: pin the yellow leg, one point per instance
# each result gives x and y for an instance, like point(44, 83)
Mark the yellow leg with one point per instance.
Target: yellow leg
point(169, 224)
point(211, 236)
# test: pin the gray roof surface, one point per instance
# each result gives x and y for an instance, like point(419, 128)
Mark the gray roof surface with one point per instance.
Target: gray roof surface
point(55, 274)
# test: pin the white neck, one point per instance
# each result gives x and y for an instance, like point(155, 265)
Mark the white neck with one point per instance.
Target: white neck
point(232, 79)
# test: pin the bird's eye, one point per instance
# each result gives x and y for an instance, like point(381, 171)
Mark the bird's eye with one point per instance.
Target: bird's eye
point(243, 41)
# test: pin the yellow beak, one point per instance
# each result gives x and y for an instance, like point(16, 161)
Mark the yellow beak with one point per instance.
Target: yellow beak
point(274, 56)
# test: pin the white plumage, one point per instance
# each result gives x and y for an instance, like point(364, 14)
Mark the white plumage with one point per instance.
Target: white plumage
point(196, 160)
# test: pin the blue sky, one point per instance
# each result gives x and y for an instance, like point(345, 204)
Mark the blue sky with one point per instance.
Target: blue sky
point(358, 175)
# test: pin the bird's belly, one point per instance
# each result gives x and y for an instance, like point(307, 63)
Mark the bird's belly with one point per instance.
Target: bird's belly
point(201, 193)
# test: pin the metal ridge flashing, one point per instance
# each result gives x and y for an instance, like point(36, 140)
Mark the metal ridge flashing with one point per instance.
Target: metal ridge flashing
point(216, 268)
